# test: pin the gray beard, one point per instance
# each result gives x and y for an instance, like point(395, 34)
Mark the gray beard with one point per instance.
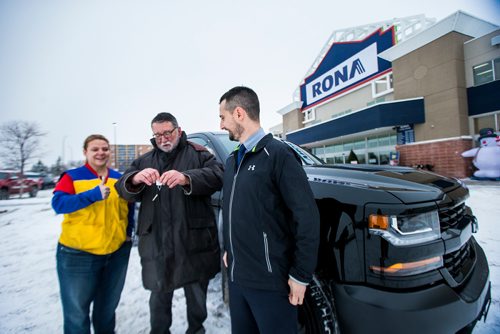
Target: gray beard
point(172, 146)
point(166, 150)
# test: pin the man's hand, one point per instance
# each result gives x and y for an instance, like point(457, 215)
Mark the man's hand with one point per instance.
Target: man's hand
point(147, 176)
point(297, 291)
point(104, 188)
point(174, 178)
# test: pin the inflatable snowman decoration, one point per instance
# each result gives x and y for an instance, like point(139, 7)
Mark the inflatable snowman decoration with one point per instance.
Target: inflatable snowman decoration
point(487, 157)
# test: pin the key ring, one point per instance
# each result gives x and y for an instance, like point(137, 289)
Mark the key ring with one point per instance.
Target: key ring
point(158, 186)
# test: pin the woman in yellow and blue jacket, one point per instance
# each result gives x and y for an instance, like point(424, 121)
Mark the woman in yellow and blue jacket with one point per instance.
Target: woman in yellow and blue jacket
point(94, 246)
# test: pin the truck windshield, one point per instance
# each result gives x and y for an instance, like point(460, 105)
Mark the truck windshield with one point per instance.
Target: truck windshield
point(306, 157)
point(228, 144)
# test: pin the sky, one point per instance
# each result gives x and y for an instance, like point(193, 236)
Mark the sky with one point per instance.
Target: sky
point(29, 293)
point(96, 66)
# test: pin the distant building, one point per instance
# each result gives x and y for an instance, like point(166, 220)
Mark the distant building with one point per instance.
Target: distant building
point(277, 130)
point(409, 88)
point(126, 155)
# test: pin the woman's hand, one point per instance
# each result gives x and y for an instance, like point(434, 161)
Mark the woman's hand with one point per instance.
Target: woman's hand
point(104, 188)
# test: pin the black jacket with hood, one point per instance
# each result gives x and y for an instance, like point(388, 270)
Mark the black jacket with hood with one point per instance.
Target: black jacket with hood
point(178, 241)
point(271, 221)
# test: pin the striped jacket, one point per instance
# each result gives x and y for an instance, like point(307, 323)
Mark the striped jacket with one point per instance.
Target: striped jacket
point(90, 223)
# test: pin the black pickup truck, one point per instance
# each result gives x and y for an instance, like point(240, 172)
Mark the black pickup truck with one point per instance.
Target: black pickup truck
point(397, 254)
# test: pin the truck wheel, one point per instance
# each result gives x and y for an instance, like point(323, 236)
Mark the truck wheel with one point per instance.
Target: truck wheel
point(33, 192)
point(4, 194)
point(468, 329)
point(317, 313)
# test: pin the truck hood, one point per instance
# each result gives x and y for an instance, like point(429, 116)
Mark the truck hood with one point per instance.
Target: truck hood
point(407, 184)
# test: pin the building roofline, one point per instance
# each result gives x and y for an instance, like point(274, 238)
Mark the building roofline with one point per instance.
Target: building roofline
point(478, 37)
point(291, 107)
point(405, 28)
point(459, 21)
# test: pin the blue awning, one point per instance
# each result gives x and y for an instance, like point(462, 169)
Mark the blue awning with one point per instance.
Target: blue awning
point(385, 114)
point(483, 99)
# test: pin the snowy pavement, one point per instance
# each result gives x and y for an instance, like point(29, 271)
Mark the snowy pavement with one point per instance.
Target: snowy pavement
point(29, 292)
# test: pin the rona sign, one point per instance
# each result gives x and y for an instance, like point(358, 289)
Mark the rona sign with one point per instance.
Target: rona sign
point(347, 65)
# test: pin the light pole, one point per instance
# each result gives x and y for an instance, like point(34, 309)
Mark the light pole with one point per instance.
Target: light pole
point(70, 154)
point(63, 148)
point(115, 124)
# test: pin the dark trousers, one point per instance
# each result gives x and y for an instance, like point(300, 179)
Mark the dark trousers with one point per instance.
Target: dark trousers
point(260, 311)
point(86, 278)
point(160, 308)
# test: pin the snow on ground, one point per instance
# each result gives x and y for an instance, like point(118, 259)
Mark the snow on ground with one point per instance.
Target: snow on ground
point(29, 292)
point(484, 201)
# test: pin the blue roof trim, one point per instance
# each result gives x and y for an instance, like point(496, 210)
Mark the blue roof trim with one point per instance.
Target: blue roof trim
point(483, 99)
point(381, 115)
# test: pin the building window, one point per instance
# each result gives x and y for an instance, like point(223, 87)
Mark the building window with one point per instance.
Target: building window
point(487, 121)
point(382, 85)
point(496, 68)
point(309, 115)
point(373, 149)
point(486, 72)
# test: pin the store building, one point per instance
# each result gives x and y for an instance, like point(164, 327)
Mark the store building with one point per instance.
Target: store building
point(123, 155)
point(410, 90)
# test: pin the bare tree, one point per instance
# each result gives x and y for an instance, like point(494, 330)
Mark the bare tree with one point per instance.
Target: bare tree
point(19, 143)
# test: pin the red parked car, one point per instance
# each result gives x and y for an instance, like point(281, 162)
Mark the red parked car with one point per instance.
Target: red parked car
point(13, 182)
point(35, 177)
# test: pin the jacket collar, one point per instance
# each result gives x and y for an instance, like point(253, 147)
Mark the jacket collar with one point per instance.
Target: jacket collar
point(263, 142)
point(260, 144)
point(168, 160)
point(254, 139)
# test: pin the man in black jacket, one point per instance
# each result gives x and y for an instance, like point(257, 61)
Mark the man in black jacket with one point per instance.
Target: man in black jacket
point(271, 223)
point(177, 231)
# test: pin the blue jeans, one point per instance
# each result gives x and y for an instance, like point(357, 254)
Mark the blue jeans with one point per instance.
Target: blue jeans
point(85, 278)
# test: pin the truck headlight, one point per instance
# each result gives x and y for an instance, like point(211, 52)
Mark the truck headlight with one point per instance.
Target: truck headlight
point(406, 230)
point(409, 268)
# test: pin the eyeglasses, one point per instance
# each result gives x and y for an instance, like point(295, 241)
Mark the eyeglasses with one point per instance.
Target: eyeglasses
point(166, 134)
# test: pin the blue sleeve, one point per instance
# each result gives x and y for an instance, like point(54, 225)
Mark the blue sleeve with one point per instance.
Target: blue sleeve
point(131, 218)
point(67, 203)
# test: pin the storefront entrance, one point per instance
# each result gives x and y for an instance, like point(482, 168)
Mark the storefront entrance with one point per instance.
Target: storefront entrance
point(372, 149)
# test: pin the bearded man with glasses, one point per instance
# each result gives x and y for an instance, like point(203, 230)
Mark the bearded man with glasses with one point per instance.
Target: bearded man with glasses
point(177, 231)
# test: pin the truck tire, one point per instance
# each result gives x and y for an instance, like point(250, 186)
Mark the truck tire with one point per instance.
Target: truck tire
point(468, 329)
point(317, 314)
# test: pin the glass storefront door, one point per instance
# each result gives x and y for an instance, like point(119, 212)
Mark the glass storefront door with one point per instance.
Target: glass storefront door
point(373, 149)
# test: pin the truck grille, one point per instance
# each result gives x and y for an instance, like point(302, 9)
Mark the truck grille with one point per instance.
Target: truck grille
point(449, 217)
point(459, 263)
